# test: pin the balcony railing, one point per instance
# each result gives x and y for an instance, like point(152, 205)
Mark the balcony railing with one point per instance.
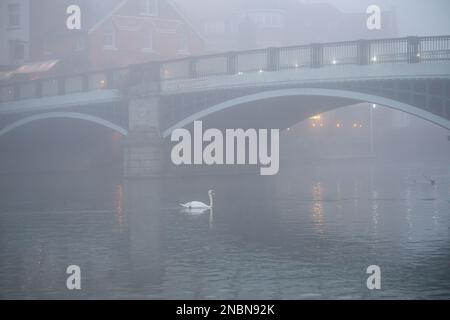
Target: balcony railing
point(360, 52)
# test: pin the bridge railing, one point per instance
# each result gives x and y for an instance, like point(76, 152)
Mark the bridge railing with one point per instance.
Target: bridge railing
point(360, 52)
point(434, 49)
point(55, 86)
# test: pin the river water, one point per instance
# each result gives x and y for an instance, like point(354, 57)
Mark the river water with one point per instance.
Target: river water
point(308, 233)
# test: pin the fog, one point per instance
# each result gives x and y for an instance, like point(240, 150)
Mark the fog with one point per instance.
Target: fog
point(414, 17)
point(133, 147)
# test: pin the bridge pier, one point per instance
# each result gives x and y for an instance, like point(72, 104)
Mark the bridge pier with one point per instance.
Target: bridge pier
point(143, 148)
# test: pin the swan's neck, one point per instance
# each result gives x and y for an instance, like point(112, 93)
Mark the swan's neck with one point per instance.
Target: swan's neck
point(211, 201)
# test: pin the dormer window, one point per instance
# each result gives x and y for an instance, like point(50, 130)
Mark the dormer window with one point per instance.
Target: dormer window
point(148, 7)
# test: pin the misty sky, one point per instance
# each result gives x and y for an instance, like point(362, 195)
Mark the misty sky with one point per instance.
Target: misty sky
point(415, 17)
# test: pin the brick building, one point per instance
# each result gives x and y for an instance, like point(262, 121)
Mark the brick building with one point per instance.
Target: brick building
point(113, 33)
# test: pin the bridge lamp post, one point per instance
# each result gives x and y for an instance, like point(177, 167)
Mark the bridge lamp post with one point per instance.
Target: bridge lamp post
point(373, 107)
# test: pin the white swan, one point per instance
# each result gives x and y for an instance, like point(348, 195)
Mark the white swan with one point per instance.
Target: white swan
point(198, 204)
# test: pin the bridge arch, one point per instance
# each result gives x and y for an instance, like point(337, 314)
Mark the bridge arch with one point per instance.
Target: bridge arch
point(357, 97)
point(63, 115)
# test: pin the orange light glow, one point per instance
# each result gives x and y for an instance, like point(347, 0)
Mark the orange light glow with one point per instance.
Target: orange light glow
point(118, 199)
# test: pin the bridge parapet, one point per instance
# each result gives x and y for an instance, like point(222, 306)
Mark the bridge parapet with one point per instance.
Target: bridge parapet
point(359, 52)
point(120, 78)
point(62, 85)
point(408, 50)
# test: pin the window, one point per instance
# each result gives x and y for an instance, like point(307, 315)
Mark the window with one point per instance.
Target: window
point(16, 50)
point(147, 42)
point(214, 27)
point(47, 48)
point(183, 40)
point(267, 19)
point(14, 15)
point(109, 38)
point(233, 26)
point(79, 44)
point(148, 7)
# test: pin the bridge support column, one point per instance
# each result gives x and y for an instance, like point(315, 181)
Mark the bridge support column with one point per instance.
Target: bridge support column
point(363, 52)
point(316, 55)
point(413, 49)
point(144, 155)
point(273, 58)
point(231, 63)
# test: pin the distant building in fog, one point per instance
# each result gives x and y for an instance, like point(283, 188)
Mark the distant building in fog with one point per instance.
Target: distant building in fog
point(113, 33)
point(238, 25)
point(122, 32)
point(142, 31)
point(14, 32)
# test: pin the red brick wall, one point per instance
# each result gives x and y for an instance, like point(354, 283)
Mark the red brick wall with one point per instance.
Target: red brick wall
point(129, 43)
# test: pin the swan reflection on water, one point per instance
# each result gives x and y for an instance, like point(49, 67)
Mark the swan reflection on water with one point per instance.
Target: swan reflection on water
point(195, 211)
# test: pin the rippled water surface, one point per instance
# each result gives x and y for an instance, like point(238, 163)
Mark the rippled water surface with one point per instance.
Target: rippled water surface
point(308, 233)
